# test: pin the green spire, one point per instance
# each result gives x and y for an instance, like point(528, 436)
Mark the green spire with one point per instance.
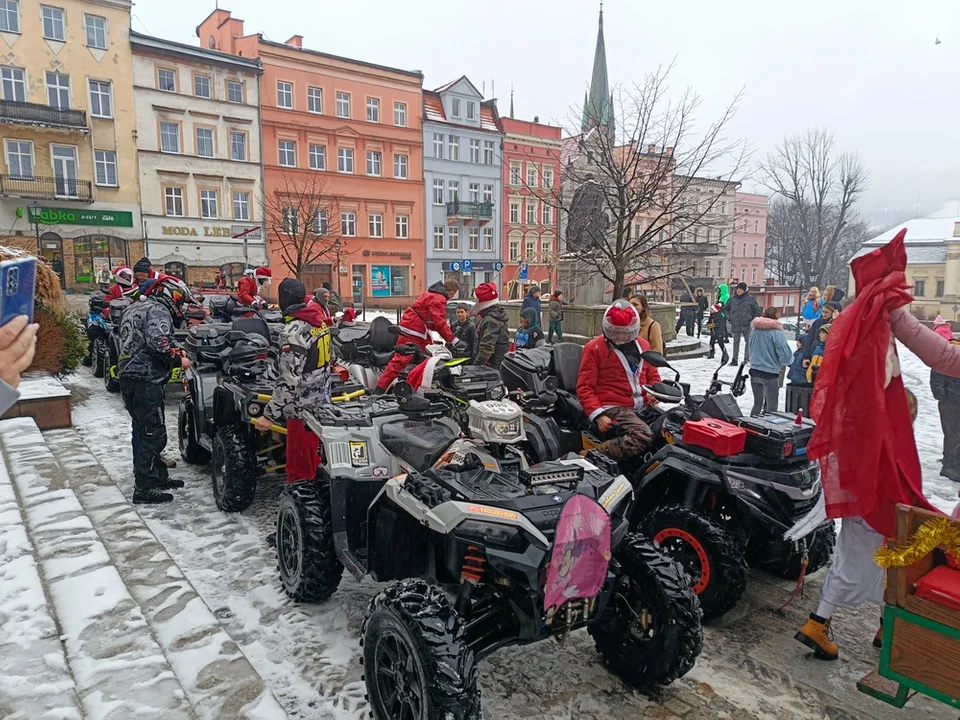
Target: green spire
point(511, 102)
point(598, 106)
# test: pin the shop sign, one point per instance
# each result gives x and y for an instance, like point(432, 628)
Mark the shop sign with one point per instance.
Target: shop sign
point(205, 231)
point(388, 253)
point(380, 280)
point(69, 216)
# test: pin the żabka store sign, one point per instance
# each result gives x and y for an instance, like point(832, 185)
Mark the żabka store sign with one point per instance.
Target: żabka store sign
point(69, 216)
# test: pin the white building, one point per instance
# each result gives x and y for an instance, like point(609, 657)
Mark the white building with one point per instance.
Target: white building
point(198, 150)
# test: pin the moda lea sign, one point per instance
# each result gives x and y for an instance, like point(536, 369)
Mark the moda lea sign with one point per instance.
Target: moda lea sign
point(69, 216)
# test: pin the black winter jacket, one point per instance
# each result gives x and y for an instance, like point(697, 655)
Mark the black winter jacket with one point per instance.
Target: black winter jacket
point(740, 311)
point(945, 389)
point(147, 348)
point(466, 333)
point(493, 337)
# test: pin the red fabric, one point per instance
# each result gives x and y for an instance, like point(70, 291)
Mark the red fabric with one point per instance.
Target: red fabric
point(429, 312)
point(349, 315)
point(398, 362)
point(941, 586)
point(603, 381)
point(621, 317)
point(485, 292)
point(303, 452)
point(864, 435)
point(311, 313)
point(247, 290)
point(114, 292)
point(415, 376)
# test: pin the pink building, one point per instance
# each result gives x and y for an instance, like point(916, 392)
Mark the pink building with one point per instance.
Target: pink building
point(749, 238)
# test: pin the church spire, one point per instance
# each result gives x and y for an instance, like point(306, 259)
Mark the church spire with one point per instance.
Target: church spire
point(511, 101)
point(598, 108)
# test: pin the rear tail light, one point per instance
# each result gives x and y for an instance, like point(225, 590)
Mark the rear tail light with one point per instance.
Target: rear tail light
point(787, 449)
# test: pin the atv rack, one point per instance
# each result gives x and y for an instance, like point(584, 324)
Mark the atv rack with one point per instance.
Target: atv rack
point(346, 397)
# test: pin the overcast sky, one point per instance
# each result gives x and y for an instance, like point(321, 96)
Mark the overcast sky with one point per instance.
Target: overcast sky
point(869, 70)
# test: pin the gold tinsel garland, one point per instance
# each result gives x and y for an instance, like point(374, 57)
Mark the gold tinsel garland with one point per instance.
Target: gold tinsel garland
point(936, 533)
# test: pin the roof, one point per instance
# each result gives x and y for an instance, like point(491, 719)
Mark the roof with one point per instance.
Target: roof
point(364, 63)
point(444, 88)
point(937, 227)
point(917, 253)
point(433, 112)
point(194, 52)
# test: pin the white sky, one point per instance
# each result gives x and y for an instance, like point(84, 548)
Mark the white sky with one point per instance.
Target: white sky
point(869, 70)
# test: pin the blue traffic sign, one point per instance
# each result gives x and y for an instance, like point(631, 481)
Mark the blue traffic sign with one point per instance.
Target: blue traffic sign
point(455, 266)
point(467, 265)
point(522, 275)
point(498, 266)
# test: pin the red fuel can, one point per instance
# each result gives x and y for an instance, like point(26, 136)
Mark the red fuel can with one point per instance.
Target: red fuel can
point(719, 437)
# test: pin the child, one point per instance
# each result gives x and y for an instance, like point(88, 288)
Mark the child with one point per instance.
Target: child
point(717, 324)
point(796, 374)
point(942, 328)
point(816, 360)
point(946, 391)
point(529, 335)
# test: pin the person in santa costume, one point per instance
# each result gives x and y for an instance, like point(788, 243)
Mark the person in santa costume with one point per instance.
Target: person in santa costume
point(864, 435)
point(123, 285)
point(612, 374)
point(249, 288)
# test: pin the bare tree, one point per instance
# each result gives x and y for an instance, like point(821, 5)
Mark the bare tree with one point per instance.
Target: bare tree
point(304, 220)
point(631, 198)
point(816, 228)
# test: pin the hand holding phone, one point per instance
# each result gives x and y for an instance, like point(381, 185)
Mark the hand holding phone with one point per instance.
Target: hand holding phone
point(18, 280)
point(18, 341)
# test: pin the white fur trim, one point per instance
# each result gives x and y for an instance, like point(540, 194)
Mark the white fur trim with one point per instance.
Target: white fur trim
point(632, 378)
point(481, 306)
point(428, 371)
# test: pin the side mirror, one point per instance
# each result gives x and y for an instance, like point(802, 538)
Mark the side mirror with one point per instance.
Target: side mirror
point(394, 329)
point(655, 359)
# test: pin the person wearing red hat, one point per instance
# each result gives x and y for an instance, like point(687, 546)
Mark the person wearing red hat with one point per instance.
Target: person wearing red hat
point(611, 378)
point(249, 286)
point(428, 313)
point(123, 285)
point(493, 337)
point(864, 438)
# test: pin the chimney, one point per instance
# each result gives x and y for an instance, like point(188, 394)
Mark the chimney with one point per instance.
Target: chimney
point(295, 41)
point(651, 149)
point(668, 151)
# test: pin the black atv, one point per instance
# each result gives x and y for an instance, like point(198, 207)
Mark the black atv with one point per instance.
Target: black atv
point(482, 543)
point(97, 328)
point(717, 515)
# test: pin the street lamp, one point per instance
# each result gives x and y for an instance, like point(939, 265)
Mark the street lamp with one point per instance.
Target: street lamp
point(336, 249)
point(35, 219)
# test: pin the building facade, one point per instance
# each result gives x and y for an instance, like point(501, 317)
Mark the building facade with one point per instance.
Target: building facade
point(701, 252)
point(462, 139)
point(68, 180)
point(343, 166)
point(749, 246)
point(531, 216)
point(198, 131)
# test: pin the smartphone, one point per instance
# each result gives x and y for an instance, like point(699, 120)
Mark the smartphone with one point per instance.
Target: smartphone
point(18, 280)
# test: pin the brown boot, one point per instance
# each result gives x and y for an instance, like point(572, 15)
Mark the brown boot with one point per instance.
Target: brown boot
point(816, 636)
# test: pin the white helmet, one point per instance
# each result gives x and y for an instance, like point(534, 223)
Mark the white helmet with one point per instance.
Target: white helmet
point(124, 276)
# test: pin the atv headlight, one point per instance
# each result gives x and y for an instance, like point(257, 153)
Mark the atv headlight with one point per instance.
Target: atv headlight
point(506, 429)
point(498, 393)
point(484, 533)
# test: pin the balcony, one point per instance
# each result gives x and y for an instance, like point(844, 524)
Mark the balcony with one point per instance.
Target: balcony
point(24, 113)
point(695, 248)
point(46, 188)
point(460, 210)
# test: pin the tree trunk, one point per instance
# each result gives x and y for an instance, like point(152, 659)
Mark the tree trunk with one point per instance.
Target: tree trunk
point(619, 274)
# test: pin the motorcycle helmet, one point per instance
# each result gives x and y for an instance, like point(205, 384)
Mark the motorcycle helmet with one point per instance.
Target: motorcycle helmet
point(621, 323)
point(173, 293)
point(124, 276)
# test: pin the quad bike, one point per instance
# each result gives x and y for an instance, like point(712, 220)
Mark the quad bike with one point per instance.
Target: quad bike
point(364, 349)
point(97, 327)
point(717, 513)
point(478, 557)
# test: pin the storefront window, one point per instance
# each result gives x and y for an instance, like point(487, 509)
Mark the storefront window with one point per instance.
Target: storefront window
point(82, 260)
point(389, 280)
point(233, 272)
point(177, 269)
point(399, 280)
point(97, 255)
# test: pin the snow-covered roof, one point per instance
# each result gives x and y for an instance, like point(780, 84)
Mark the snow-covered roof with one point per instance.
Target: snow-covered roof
point(917, 253)
point(937, 227)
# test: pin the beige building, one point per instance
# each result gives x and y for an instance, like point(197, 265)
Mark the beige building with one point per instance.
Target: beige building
point(198, 131)
point(68, 181)
point(701, 254)
point(933, 261)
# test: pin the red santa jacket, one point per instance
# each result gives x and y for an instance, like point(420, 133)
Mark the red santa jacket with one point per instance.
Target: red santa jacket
point(115, 292)
point(247, 291)
point(428, 313)
point(606, 380)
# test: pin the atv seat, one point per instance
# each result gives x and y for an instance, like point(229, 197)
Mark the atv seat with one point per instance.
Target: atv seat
point(381, 340)
point(252, 326)
point(566, 365)
point(380, 360)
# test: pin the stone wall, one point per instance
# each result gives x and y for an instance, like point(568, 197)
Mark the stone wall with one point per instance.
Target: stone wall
point(583, 322)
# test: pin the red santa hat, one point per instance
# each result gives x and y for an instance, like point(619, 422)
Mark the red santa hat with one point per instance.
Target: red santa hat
point(621, 323)
point(487, 296)
point(262, 274)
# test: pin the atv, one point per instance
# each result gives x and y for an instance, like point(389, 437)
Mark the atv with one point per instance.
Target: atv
point(97, 327)
point(363, 350)
point(477, 558)
point(717, 513)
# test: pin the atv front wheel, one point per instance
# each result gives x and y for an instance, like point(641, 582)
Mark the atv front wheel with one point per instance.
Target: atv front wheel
point(650, 633)
point(786, 562)
point(416, 661)
point(710, 554)
point(190, 449)
point(234, 469)
point(310, 570)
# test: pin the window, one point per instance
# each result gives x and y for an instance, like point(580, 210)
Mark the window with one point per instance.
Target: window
point(201, 86)
point(471, 110)
point(173, 200)
point(101, 99)
point(438, 192)
point(400, 167)
point(514, 173)
point(291, 224)
point(400, 114)
point(756, 250)
point(453, 147)
point(166, 80)
point(373, 110)
point(474, 234)
point(315, 100)
point(453, 242)
point(205, 142)
point(720, 268)
point(345, 160)
point(939, 288)
point(241, 205)
point(14, 86)
point(475, 151)
point(745, 223)
point(234, 91)
point(453, 191)
point(753, 275)
point(343, 105)
point(531, 176)
point(105, 163)
point(376, 225)
point(531, 250)
point(348, 224)
point(438, 146)
point(514, 249)
point(58, 90)
point(706, 272)
point(403, 226)
point(318, 157)
point(169, 137)
point(474, 192)
point(284, 95)
point(53, 23)
point(488, 194)
point(919, 288)
point(548, 218)
point(756, 226)
point(723, 211)
point(548, 177)
point(20, 159)
point(455, 105)
point(9, 16)
point(488, 239)
point(287, 150)
point(438, 237)
point(488, 152)
point(546, 249)
point(531, 213)
point(514, 212)
point(373, 163)
point(320, 222)
point(209, 204)
point(96, 28)
point(238, 146)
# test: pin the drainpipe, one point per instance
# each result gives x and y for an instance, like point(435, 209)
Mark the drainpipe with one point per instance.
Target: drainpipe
point(263, 185)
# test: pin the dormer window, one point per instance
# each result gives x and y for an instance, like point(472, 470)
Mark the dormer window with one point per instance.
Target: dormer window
point(471, 110)
point(455, 107)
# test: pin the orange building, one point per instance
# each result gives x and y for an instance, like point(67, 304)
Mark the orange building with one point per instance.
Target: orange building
point(343, 166)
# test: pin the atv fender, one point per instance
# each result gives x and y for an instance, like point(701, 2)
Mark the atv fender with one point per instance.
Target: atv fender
point(225, 410)
point(667, 464)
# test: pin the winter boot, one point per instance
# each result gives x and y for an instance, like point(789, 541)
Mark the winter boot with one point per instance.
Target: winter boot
point(711, 354)
point(151, 496)
point(725, 356)
point(171, 484)
point(816, 636)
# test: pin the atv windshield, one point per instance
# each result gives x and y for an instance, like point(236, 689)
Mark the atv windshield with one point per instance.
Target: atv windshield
point(420, 443)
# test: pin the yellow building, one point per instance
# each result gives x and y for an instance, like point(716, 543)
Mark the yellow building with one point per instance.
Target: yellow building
point(68, 170)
